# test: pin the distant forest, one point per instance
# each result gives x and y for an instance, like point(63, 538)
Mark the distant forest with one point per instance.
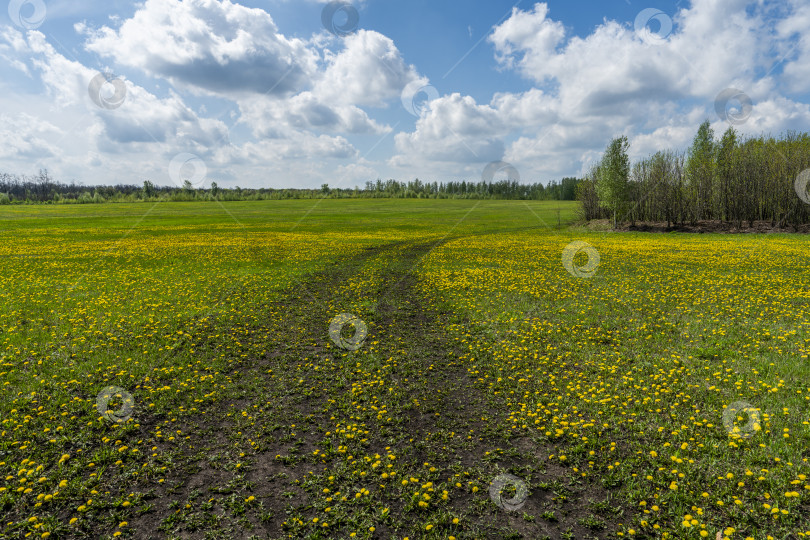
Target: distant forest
point(734, 179)
point(42, 189)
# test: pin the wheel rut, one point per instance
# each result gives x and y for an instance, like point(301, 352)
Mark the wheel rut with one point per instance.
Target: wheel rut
point(399, 413)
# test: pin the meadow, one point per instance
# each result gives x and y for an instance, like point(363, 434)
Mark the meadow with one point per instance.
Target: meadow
point(168, 370)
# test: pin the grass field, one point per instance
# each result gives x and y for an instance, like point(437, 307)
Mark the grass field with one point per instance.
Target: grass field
point(663, 392)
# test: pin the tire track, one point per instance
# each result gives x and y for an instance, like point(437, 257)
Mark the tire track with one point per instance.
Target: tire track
point(407, 393)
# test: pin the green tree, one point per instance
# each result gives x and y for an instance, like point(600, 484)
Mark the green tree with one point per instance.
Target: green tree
point(725, 170)
point(700, 172)
point(148, 189)
point(612, 179)
point(214, 189)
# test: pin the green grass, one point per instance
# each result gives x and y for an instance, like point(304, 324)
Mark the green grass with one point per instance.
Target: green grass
point(162, 300)
point(484, 357)
point(625, 376)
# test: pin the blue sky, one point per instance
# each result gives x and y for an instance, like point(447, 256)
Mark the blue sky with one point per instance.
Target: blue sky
point(263, 93)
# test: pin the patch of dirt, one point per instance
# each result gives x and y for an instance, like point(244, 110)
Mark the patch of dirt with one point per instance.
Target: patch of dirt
point(450, 408)
point(716, 226)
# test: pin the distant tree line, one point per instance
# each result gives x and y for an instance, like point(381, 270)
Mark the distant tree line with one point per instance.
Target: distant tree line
point(42, 188)
point(565, 190)
point(734, 179)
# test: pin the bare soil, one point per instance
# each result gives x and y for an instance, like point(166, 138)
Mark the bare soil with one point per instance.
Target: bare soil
point(559, 505)
point(706, 226)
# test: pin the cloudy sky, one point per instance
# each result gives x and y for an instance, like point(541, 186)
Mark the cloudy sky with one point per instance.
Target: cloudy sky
point(295, 93)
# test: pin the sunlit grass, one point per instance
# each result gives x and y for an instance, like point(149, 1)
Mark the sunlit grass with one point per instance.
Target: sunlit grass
point(625, 378)
point(628, 373)
point(162, 301)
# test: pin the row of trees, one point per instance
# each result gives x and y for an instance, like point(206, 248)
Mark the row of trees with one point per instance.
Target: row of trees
point(733, 179)
point(565, 190)
point(44, 189)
